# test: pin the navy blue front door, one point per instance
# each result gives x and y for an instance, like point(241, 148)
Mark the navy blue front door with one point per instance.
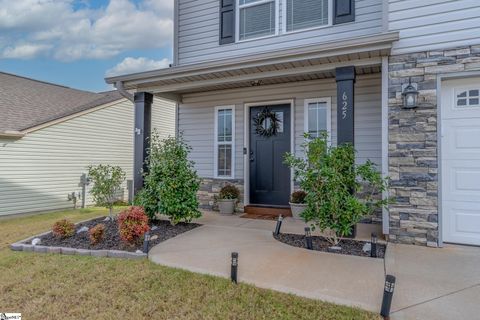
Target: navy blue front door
point(269, 176)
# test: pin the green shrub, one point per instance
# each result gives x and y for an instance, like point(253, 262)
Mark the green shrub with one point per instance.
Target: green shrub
point(96, 234)
point(229, 191)
point(107, 183)
point(63, 229)
point(171, 183)
point(332, 181)
point(298, 197)
point(132, 224)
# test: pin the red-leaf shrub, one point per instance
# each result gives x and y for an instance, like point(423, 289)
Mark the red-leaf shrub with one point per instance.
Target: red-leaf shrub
point(96, 233)
point(133, 223)
point(63, 228)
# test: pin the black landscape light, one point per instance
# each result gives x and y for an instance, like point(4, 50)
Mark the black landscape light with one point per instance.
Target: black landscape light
point(373, 249)
point(308, 239)
point(279, 225)
point(146, 240)
point(387, 296)
point(234, 269)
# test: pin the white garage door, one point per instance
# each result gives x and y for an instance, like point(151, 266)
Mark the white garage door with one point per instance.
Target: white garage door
point(460, 161)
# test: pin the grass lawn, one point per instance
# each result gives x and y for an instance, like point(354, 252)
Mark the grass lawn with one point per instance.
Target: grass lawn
point(45, 286)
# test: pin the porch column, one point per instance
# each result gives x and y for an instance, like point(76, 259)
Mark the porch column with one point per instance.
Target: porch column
point(143, 115)
point(345, 77)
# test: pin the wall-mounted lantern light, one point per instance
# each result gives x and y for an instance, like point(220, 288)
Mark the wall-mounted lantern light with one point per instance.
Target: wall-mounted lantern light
point(410, 95)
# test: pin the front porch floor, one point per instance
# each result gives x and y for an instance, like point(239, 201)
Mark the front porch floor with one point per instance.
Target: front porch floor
point(431, 283)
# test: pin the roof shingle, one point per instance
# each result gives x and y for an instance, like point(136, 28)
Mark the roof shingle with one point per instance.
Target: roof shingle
point(26, 103)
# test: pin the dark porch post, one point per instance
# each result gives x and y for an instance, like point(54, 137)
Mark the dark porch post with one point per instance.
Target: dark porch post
point(345, 77)
point(143, 115)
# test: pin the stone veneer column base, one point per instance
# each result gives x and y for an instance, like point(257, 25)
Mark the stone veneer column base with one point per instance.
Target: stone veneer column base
point(413, 149)
point(210, 187)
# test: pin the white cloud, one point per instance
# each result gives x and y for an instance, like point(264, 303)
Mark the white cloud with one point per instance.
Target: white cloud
point(67, 34)
point(25, 51)
point(133, 65)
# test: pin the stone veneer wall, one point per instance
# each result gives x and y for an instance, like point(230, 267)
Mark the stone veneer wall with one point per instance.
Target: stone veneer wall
point(210, 187)
point(413, 161)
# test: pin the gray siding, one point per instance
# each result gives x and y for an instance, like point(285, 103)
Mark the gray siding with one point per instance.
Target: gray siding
point(196, 117)
point(434, 24)
point(198, 32)
point(39, 170)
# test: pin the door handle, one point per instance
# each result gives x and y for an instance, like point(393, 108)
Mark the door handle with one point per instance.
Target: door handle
point(252, 158)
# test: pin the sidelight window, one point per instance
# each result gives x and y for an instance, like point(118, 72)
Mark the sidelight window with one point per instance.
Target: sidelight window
point(224, 142)
point(317, 116)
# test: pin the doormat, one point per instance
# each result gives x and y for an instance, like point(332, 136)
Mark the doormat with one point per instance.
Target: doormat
point(259, 216)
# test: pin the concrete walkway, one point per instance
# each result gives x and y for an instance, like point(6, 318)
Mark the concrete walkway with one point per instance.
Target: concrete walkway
point(431, 283)
point(438, 284)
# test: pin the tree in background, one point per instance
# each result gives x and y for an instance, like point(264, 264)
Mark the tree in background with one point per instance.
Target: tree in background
point(107, 183)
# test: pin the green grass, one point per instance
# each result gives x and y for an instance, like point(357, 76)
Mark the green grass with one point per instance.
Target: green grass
point(45, 286)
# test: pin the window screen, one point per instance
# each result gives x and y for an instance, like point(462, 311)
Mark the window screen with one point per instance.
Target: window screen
point(303, 14)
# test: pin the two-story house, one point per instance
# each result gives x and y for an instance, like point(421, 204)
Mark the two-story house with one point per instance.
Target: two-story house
point(341, 66)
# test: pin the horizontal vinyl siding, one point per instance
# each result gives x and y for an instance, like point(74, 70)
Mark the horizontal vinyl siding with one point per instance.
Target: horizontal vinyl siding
point(199, 32)
point(163, 117)
point(434, 24)
point(196, 117)
point(39, 170)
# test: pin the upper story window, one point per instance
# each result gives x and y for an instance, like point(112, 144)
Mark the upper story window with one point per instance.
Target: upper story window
point(242, 20)
point(256, 18)
point(303, 14)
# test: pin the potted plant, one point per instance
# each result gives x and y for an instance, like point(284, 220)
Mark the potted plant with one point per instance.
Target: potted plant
point(227, 199)
point(298, 203)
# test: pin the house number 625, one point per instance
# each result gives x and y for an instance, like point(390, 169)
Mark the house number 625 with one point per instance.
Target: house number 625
point(344, 105)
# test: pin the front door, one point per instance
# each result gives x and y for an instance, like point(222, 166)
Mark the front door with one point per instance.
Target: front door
point(460, 152)
point(269, 176)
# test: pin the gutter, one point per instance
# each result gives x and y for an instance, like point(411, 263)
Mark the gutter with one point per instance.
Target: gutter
point(119, 86)
point(11, 134)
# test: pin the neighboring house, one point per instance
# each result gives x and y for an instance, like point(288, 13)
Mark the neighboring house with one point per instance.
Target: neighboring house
point(340, 66)
point(49, 134)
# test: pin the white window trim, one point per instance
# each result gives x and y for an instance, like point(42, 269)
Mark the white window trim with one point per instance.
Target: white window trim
point(215, 143)
point(328, 101)
point(237, 19)
point(459, 90)
point(284, 19)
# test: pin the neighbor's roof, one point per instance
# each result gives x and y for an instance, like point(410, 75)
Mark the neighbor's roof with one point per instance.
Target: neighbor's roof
point(27, 103)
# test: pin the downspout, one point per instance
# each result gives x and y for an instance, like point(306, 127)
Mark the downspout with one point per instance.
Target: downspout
point(128, 96)
point(123, 92)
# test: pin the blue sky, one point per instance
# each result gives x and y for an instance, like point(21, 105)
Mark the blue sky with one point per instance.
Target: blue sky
point(78, 42)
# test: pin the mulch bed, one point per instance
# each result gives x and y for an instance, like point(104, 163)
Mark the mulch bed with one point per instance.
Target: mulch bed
point(111, 241)
point(349, 247)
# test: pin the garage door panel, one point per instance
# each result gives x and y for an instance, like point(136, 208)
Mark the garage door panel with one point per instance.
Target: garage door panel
point(461, 139)
point(460, 156)
point(464, 222)
point(461, 180)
